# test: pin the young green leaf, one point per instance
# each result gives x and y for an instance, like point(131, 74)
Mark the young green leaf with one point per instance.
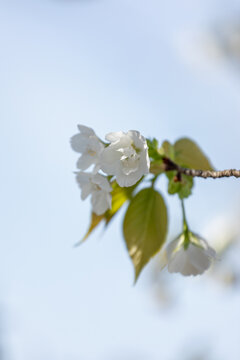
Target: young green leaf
point(119, 196)
point(168, 150)
point(182, 186)
point(95, 220)
point(189, 154)
point(186, 186)
point(153, 150)
point(157, 167)
point(145, 227)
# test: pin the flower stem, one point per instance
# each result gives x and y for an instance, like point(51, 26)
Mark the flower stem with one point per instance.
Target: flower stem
point(154, 180)
point(185, 227)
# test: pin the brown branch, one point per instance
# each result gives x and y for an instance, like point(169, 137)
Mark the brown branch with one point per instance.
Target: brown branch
point(170, 166)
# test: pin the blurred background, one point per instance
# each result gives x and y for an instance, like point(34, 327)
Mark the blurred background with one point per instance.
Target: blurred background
point(165, 68)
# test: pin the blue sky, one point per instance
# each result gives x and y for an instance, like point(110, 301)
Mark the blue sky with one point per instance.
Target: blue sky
point(112, 65)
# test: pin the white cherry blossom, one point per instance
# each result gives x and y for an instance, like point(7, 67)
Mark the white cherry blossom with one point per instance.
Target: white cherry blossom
point(192, 259)
point(98, 187)
point(89, 145)
point(126, 157)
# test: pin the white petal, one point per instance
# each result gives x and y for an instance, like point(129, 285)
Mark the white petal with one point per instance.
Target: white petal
point(82, 178)
point(101, 201)
point(96, 168)
point(208, 249)
point(85, 161)
point(138, 139)
point(125, 141)
point(144, 165)
point(79, 143)
point(211, 253)
point(114, 136)
point(198, 258)
point(188, 270)
point(86, 130)
point(177, 262)
point(172, 246)
point(128, 180)
point(95, 144)
point(110, 161)
point(86, 190)
point(102, 181)
point(83, 181)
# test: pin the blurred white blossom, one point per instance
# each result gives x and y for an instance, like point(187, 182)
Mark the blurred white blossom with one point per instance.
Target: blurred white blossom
point(98, 187)
point(126, 157)
point(89, 145)
point(191, 258)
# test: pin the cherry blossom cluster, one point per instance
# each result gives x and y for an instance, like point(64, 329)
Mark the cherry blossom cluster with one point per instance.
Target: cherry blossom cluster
point(124, 156)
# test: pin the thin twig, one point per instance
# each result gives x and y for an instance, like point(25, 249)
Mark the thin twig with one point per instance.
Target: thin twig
point(170, 166)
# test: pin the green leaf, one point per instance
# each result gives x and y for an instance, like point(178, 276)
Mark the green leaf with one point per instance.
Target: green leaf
point(173, 184)
point(119, 196)
point(145, 227)
point(152, 146)
point(186, 186)
point(189, 154)
point(153, 150)
point(95, 220)
point(168, 150)
point(157, 167)
point(181, 186)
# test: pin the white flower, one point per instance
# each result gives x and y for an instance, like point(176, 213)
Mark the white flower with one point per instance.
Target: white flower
point(89, 145)
point(98, 187)
point(126, 157)
point(189, 259)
